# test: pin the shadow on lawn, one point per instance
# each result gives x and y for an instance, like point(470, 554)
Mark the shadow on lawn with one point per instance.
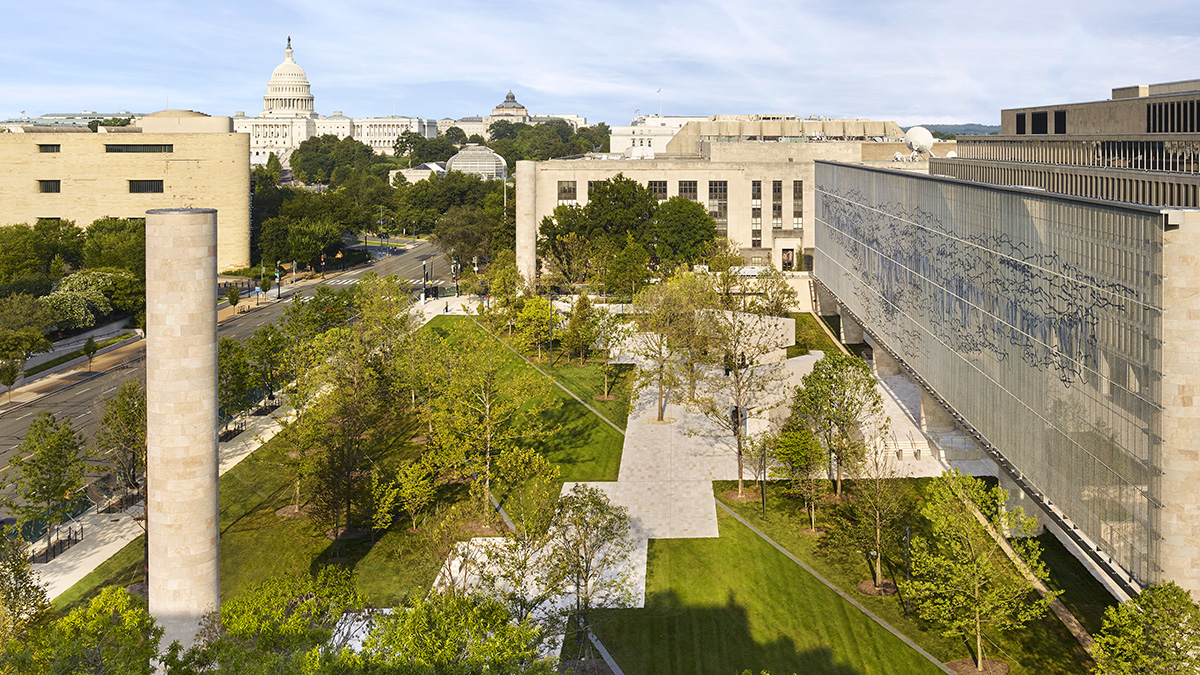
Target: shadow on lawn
point(668, 637)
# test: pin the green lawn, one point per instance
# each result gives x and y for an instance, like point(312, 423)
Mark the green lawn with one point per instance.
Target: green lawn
point(717, 606)
point(1044, 647)
point(810, 336)
point(587, 382)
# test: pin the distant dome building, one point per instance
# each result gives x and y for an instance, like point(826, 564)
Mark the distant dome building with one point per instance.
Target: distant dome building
point(510, 107)
point(479, 160)
point(289, 118)
point(509, 110)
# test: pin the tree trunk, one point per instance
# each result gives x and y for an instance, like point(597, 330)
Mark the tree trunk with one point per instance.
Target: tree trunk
point(838, 492)
point(660, 399)
point(812, 514)
point(738, 437)
point(978, 645)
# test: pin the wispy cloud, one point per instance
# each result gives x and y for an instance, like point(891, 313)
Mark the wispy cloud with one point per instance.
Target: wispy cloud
point(910, 61)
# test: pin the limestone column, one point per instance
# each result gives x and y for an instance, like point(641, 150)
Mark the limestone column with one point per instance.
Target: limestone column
point(885, 365)
point(934, 417)
point(527, 225)
point(181, 409)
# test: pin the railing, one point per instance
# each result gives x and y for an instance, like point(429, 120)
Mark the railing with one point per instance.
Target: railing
point(57, 542)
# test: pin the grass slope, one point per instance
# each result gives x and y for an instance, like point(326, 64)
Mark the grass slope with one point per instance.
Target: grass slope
point(717, 606)
point(1044, 647)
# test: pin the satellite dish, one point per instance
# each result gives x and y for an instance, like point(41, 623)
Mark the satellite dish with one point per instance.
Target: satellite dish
point(918, 139)
point(952, 154)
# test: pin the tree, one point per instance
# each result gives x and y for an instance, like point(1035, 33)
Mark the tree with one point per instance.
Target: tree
point(693, 335)
point(89, 350)
point(233, 378)
point(593, 546)
point(581, 331)
point(234, 295)
point(416, 488)
point(456, 135)
point(841, 404)
point(481, 412)
point(629, 269)
point(536, 324)
point(58, 238)
point(23, 600)
point(869, 522)
point(122, 433)
point(116, 242)
point(773, 295)
point(50, 466)
point(658, 311)
point(681, 232)
point(274, 167)
point(744, 385)
point(1157, 632)
point(962, 579)
point(265, 283)
point(464, 232)
point(19, 253)
point(802, 461)
point(114, 633)
point(612, 331)
point(265, 357)
point(310, 237)
point(11, 367)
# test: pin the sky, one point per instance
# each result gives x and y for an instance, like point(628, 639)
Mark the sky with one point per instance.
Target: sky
point(903, 60)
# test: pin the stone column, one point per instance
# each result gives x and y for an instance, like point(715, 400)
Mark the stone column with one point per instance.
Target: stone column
point(181, 409)
point(885, 365)
point(934, 417)
point(527, 225)
point(852, 332)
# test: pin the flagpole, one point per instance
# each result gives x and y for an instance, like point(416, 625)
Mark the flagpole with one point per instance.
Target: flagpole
point(660, 101)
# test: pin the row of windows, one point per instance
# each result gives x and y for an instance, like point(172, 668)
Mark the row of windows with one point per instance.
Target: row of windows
point(135, 186)
point(1040, 122)
point(1180, 155)
point(116, 147)
point(1115, 188)
point(1172, 117)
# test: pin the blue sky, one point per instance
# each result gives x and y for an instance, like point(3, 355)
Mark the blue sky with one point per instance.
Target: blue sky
point(902, 60)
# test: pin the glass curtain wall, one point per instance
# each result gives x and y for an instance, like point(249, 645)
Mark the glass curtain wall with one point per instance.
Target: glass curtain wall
point(1038, 318)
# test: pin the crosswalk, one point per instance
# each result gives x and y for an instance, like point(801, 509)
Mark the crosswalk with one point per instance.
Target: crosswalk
point(412, 282)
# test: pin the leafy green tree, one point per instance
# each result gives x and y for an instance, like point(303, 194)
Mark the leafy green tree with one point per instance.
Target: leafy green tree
point(581, 330)
point(618, 208)
point(89, 350)
point(658, 311)
point(317, 158)
point(483, 411)
point(87, 296)
point(629, 269)
point(681, 232)
point(464, 232)
point(310, 237)
point(21, 312)
point(49, 464)
point(453, 633)
point(307, 318)
point(12, 365)
point(18, 253)
point(800, 460)
point(23, 601)
point(842, 406)
point(233, 378)
point(122, 433)
point(58, 238)
point(113, 633)
point(692, 335)
point(234, 295)
point(593, 547)
point(1157, 632)
point(265, 356)
point(771, 294)
point(274, 167)
point(536, 324)
point(116, 242)
point(963, 581)
point(503, 129)
point(273, 240)
point(612, 331)
point(456, 135)
point(416, 488)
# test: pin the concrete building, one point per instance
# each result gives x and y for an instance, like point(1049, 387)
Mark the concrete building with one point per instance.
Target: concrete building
point(182, 514)
point(1142, 146)
point(756, 180)
point(508, 110)
point(170, 159)
point(79, 119)
point(289, 118)
point(479, 160)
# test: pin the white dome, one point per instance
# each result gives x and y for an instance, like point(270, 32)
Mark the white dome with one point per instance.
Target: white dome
point(288, 91)
point(919, 139)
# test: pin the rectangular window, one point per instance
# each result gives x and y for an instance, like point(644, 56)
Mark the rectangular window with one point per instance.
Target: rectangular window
point(756, 259)
point(566, 190)
point(797, 203)
point(1060, 121)
point(777, 205)
point(687, 189)
point(1020, 124)
point(1039, 121)
point(49, 186)
point(658, 188)
point(49, 147)
point(718, 202)
point(137, 147)
point(144, 186)
point(756, 190)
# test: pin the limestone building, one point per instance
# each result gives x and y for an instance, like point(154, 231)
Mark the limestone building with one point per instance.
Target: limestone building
point(289, 118)
point(753, 173)
point(648, 135)
point(508, 110)
point(170, 159)
point(1043, 289)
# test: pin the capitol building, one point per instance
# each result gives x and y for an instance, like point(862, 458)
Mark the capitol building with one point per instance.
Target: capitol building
point(289, 118)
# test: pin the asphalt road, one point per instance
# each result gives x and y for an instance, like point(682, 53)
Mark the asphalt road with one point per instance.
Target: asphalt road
point(83, 402)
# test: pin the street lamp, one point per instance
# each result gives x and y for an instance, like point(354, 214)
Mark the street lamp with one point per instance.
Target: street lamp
point(424, 279)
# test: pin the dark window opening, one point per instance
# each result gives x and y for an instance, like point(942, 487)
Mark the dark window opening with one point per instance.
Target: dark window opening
point(658, 188)
point(566, 190)
point(137, 147)
point(687, 189)
point(1060, 121)
point(1020, 124)
point(49, 186)
point(1039, 121)
point(144, 186)
point(49, 147)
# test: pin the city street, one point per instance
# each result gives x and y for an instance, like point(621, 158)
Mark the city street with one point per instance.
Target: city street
point(81, 398)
